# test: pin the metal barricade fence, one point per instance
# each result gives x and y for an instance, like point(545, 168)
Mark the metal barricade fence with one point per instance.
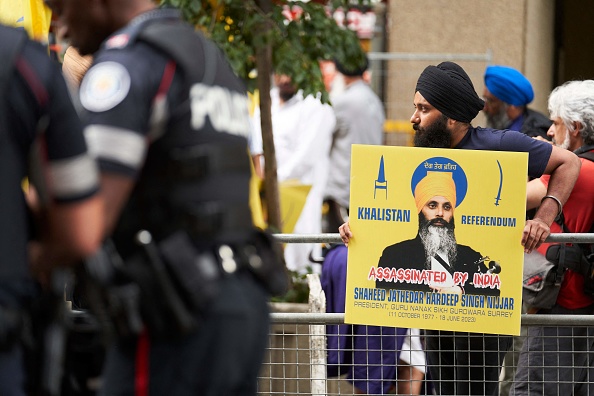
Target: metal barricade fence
point(295, 362)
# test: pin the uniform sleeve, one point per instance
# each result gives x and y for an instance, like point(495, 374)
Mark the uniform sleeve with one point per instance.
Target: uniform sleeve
point(116, 96)
point(70, 173)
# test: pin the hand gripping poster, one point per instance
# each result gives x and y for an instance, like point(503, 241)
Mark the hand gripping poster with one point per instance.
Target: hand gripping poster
point(436, 239)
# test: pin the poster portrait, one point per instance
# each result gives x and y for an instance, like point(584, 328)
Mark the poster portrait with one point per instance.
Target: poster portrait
point(436, 238)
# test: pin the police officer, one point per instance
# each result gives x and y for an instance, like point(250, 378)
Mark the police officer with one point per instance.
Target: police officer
point(168, 120)
point(38, 125)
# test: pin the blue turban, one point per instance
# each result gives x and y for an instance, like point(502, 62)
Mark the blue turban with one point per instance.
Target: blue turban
point(509, 85)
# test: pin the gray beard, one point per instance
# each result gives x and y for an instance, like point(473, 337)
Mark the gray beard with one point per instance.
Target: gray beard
point(499, 120)
point(566, 142)
point(438, 239)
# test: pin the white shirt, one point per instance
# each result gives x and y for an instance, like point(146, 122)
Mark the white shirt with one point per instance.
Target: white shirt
point(302, 131)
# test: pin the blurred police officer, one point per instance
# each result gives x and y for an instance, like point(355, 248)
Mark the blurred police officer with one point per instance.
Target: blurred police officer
point(38, 125)
point(168, 120)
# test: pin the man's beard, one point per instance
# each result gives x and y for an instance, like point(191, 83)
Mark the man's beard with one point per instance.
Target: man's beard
point(499, 120)
point(435, 135)
point(437, 238)
point(286, 92)
point(566, 142)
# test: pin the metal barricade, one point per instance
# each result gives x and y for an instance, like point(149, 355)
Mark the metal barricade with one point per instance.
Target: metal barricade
point(295, 359)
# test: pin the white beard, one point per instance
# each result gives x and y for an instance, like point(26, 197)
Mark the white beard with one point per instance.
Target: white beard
point(566, 142)
point(439, 239)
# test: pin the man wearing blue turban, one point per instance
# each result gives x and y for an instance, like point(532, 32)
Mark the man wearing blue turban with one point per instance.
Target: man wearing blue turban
point(507, 94)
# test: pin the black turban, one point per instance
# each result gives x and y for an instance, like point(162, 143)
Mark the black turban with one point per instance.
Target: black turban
point(354, 71)
point(448, 88)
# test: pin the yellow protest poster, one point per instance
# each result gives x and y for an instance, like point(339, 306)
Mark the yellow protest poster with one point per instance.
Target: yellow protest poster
point(292, 194)
point(32, 15)
point(436, 239)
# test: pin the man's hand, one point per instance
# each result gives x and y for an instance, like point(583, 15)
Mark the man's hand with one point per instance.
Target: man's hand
point(535, 233)
point(345, 233)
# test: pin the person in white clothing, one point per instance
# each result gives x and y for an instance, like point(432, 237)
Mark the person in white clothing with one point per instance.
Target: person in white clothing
point(411, 368)
point(302, 130)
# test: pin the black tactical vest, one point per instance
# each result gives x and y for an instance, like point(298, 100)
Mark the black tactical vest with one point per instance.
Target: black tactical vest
point(196, 175)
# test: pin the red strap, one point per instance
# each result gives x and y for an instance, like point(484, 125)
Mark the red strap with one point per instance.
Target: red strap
point(167, 78)
point(159, 102)
point(42, 97)
point(141, 377)
point(35, 85)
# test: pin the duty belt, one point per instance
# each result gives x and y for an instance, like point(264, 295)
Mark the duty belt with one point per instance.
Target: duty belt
point(213, 218)
point(205, 160)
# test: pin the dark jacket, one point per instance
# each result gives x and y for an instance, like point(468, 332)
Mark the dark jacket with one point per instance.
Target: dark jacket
point(535, 124)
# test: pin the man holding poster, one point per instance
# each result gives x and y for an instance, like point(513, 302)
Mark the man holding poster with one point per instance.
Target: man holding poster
point(445, 103)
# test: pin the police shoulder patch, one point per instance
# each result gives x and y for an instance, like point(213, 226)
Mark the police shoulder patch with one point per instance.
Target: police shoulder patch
point(117, 41)
point(105, 86)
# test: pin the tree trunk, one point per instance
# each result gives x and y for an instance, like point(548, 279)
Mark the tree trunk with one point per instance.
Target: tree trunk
point(263, 64)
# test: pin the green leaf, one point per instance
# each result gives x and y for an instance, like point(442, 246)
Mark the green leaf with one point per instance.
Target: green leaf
point(297, 45)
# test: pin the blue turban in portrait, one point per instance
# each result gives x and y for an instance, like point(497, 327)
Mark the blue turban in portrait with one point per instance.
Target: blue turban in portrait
point(509, 85)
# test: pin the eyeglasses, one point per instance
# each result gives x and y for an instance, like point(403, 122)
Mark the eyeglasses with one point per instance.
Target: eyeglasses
point(491, 99)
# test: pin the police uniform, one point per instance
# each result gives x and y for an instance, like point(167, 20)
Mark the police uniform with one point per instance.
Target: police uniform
point(178, 125)
point(38, 123)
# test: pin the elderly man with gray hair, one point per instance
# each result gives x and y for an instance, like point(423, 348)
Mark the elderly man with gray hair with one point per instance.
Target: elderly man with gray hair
point(558, 360)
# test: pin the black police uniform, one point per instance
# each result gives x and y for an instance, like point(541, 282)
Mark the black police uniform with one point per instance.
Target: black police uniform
point(35, 107)
point(178, 124)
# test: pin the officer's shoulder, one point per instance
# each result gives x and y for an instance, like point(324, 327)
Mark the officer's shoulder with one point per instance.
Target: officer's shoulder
point(135, 56)
point(36, 67)
point(134, 66)
point(35, 55)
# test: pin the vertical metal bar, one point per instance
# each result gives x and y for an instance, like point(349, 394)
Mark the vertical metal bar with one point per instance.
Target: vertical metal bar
point(317, 337)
